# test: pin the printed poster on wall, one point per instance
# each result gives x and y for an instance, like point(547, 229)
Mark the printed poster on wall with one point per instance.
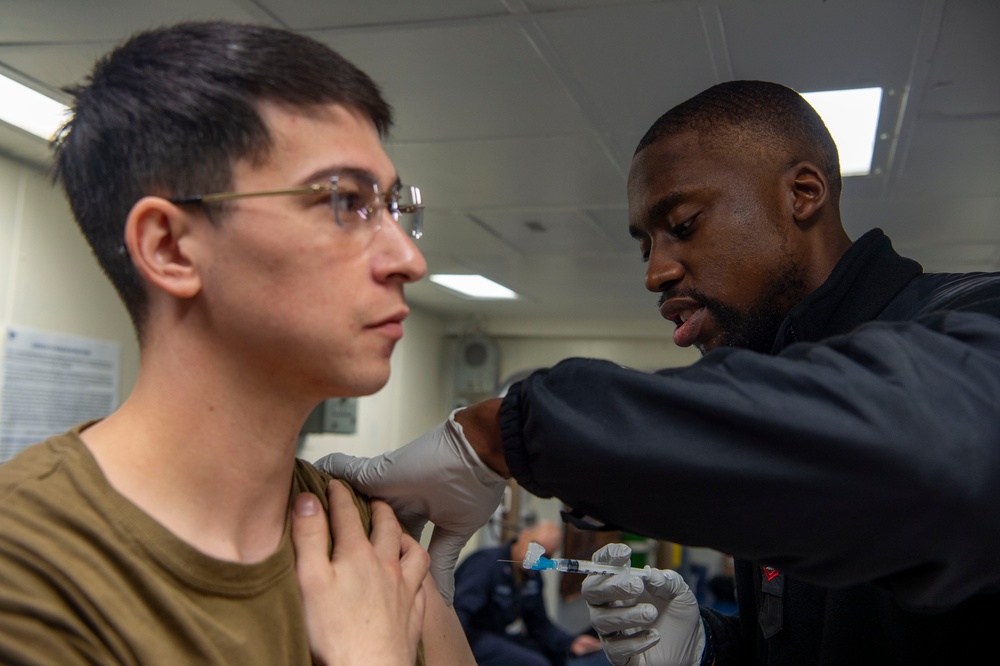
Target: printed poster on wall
point(51, 382)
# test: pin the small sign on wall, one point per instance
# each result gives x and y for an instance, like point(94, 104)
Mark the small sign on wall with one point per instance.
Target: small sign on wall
point(336, 415)
point(340, 415)
point(51, 382)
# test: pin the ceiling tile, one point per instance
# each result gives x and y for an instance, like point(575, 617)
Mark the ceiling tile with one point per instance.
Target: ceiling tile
point(635, 63)
point(546, 232)
point(969, 33)
point(449, 233)
point(814, 45)
point(458, 83)
point(952, 157)
point(614, 223)
point(318, 14)
point(514, 173)
point(49, 22)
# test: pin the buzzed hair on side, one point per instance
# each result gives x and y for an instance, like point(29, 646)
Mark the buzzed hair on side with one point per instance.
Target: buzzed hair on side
point(761, 110)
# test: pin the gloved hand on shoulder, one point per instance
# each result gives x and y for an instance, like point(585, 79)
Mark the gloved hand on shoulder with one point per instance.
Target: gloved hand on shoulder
point(648, 619)
point(436, 477)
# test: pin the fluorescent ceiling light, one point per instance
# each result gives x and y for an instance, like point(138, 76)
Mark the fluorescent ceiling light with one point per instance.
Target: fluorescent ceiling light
point(30, 110)
point(475, 286)
point(852, 118)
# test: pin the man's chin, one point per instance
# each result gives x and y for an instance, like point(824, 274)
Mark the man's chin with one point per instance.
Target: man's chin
point(712, 344)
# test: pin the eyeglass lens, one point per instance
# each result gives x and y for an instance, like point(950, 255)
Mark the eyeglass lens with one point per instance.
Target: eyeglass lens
point(357, 202)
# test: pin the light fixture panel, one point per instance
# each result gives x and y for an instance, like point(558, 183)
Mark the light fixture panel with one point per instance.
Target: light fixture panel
point(852, 118)
point(29, 109)
point(474, 286)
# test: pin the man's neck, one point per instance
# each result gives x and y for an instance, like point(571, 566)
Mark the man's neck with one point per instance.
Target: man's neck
point(209, 458)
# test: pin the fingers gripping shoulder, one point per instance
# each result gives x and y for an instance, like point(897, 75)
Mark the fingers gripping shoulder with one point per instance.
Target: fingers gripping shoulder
point(441, 455)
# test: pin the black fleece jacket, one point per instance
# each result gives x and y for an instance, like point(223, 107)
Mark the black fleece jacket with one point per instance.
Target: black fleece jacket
point(854, 472)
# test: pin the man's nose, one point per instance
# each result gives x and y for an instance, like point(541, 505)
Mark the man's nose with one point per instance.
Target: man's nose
point(400, 256)
point(662, 271)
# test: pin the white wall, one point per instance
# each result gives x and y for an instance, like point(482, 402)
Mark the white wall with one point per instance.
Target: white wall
point(537, 343)
point(49, 279)
point(522, 353)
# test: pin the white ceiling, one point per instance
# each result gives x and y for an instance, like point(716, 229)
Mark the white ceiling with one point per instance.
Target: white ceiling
point(512, 112)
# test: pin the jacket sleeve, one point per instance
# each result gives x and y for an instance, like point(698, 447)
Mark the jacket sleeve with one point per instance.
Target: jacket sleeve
point(869, 457)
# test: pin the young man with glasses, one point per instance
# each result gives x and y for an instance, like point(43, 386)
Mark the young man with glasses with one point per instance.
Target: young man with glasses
point(232, 183)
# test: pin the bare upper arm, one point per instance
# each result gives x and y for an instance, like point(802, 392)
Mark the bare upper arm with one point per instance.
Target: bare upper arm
point(444, 639)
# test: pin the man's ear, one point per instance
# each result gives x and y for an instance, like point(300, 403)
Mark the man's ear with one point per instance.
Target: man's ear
point(159, 239)
point(808, 189)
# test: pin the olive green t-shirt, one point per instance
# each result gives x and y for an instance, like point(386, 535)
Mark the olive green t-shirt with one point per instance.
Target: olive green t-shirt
point(86, 577)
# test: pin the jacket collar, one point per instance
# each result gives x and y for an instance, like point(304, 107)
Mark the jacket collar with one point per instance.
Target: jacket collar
point(861, 285)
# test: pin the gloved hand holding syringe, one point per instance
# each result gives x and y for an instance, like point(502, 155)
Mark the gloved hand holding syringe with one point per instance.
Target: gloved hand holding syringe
point(535, 560)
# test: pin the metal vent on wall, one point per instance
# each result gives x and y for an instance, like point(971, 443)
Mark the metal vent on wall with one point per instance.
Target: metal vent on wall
point(477, 366)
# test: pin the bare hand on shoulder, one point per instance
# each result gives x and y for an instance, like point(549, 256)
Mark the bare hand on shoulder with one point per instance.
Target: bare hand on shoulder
point(438, 477)
point(358, 602)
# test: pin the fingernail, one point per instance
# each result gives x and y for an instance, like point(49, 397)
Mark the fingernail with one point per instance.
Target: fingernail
point(306, 504)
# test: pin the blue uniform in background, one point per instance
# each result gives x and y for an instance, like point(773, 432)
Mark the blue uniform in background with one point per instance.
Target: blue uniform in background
point(505, 621)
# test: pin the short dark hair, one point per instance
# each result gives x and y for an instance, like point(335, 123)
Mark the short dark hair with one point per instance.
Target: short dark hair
point(765, 112)
point(170, 111)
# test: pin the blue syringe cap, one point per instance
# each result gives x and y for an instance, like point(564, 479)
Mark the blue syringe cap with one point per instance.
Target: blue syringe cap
point(544, 563)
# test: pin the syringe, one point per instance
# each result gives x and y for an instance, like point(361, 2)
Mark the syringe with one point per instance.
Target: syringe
point(534, 560)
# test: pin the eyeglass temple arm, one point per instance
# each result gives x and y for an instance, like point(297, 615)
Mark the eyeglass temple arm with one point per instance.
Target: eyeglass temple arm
point(226, 196)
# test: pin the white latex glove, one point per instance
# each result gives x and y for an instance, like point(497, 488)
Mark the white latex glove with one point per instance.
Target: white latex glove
point(436, 477)
point(648, 619)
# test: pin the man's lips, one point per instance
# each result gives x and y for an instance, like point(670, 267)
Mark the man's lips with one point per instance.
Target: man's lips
point(688, 314)
point(679, 310)
point(392, 325)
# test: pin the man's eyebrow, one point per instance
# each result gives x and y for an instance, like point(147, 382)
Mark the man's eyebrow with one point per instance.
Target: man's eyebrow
point(362, 174)
point(658, 210)
point(662, 208)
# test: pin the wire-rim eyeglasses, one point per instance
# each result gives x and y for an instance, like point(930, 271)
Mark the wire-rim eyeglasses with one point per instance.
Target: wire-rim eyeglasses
point(355, 198)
